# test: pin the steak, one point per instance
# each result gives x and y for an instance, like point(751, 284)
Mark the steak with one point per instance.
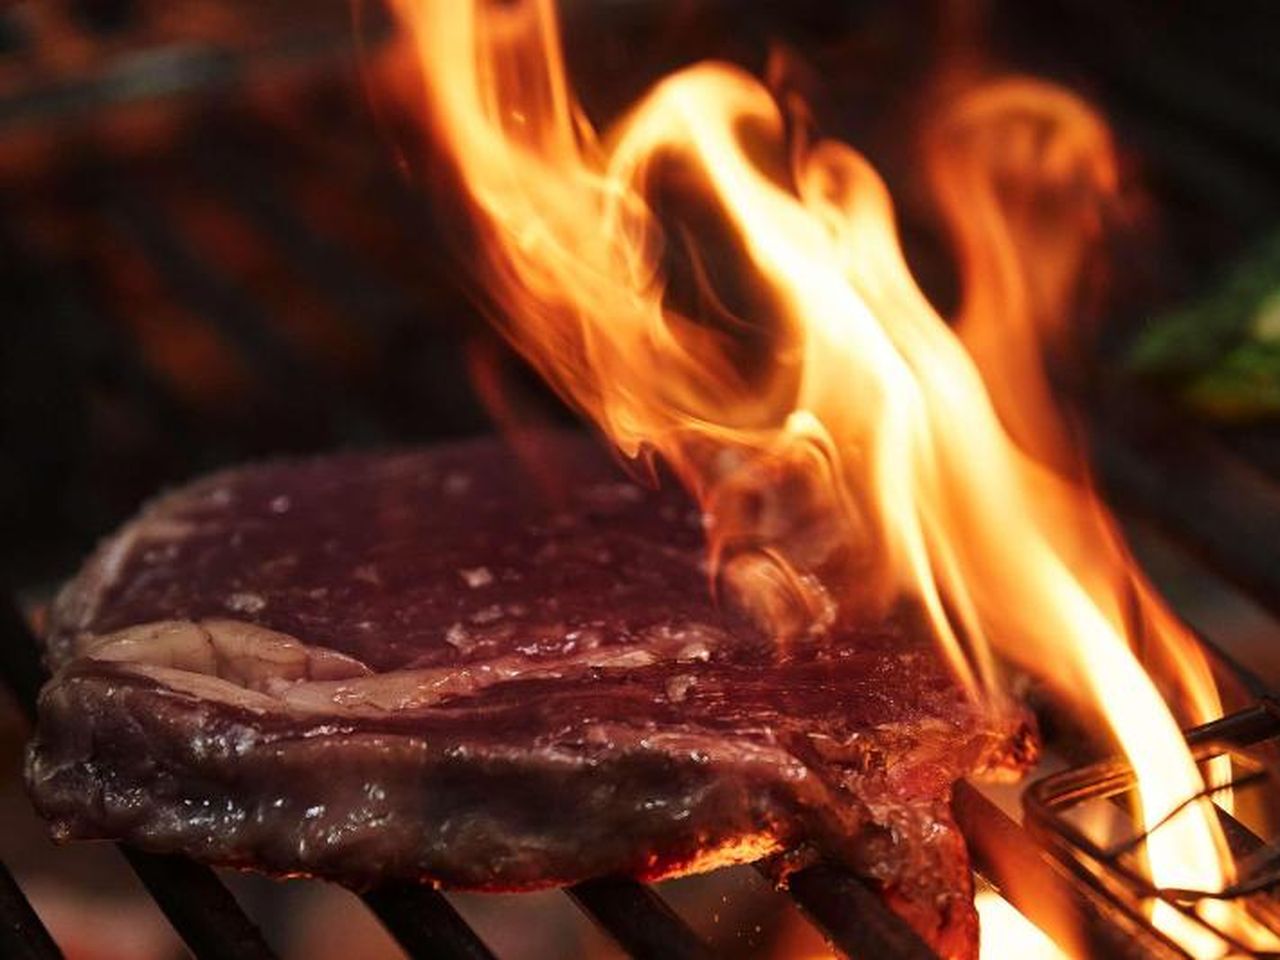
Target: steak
point(427, 665)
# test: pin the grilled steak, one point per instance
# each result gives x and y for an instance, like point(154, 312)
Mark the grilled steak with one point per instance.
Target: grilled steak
point(410, 665)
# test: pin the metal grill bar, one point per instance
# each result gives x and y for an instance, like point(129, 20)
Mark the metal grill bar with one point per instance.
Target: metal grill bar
point(1006, 857)
point(175, 70)
point(205, 290)
point(853, 918)
point(201, 910)
point(424, 923)
point(199, 906)
point(639, 920)
point(1108, 865)
point(338, 272)
point(22, 935)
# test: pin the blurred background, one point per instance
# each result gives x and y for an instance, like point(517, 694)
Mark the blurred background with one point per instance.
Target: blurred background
point(213, 248)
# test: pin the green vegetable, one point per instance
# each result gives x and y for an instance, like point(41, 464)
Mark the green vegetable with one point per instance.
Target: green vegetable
point(1222, 352)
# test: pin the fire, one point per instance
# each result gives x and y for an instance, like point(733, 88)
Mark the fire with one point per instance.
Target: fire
point(1007, 933)
point(849, 447)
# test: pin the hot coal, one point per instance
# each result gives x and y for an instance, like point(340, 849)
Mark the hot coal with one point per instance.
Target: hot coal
point(427, 665)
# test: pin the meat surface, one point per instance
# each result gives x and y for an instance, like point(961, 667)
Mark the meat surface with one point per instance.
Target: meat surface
point(427, 665)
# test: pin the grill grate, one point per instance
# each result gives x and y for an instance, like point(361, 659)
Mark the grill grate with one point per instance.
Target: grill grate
point(424, 923)
point(1109, 865)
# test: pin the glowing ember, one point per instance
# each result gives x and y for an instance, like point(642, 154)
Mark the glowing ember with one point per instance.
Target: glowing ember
point(860, 459)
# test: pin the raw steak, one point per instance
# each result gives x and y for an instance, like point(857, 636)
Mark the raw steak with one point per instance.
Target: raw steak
point(424, 664)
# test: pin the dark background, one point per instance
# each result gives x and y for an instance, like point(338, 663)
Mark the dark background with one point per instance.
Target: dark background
point(209, 251)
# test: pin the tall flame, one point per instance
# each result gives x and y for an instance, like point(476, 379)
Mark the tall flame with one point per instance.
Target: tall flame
point(868, 453)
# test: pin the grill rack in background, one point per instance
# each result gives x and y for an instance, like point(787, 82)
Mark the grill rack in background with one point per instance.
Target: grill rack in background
point(1110, 865)
point(271, 229)
point(1197, 490)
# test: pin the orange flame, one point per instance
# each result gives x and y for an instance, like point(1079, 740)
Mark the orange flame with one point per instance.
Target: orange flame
point(1006, 933)
point(842, 439)
point(1024, 172)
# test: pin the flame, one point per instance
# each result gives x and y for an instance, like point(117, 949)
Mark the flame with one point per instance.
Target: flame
point(850, 450)
point(1025, 172)
point(1007, 933)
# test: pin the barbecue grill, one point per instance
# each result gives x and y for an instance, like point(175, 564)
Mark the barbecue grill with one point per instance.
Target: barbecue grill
point(197, 218)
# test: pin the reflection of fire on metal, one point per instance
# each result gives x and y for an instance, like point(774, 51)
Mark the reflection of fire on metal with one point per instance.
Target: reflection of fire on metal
point(848, 449)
